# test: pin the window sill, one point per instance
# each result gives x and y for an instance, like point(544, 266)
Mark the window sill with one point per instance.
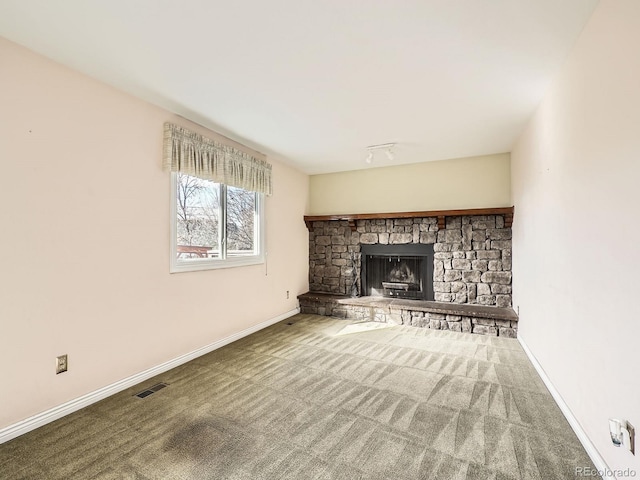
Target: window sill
point(206, 264)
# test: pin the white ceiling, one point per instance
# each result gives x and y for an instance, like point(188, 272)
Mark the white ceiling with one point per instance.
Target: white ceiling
point(316, 81)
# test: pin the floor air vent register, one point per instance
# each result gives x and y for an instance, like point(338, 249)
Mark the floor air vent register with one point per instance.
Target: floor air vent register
point(151, 390)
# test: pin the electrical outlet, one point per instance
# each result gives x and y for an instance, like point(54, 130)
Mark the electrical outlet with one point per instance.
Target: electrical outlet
point(623, 433)
point(62, 364)
point(287, 294)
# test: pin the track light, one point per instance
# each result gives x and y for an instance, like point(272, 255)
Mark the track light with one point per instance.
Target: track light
point(389, 154)
point(388, 150)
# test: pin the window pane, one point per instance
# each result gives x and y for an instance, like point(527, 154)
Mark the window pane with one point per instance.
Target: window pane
point(198, 218)
point(241, 214)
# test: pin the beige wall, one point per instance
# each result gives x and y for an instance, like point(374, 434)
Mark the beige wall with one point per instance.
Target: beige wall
point(575, 173)
point(84, 209)
point(475, 182)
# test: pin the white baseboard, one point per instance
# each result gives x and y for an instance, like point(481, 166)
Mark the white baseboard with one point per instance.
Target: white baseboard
point(590, 448)
point(31, 423)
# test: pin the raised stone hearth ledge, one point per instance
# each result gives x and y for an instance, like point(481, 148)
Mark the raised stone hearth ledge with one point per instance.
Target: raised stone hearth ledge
point(441, 215)
point(471, 318)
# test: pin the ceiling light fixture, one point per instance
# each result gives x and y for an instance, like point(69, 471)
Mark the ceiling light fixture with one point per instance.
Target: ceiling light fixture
point(389, 154)
point(369, 158)
point(388, 150)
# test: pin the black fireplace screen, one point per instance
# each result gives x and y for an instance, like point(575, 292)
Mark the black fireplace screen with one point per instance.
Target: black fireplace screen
point(399, 271)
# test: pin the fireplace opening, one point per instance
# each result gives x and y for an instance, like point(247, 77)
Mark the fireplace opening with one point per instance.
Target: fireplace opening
point(398, 271)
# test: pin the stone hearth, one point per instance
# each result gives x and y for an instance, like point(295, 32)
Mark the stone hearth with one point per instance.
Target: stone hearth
point(417, 313)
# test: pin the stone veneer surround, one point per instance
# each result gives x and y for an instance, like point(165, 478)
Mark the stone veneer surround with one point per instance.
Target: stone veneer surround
point(472, 254)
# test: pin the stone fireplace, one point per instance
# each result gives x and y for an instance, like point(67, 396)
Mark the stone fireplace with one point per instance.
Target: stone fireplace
point(455, 266)
point(471, 259)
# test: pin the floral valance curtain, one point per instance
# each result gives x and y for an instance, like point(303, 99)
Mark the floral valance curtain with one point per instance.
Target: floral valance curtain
point(191, 153)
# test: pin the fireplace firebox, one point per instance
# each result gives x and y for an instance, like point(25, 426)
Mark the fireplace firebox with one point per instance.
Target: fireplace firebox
point(398, 271)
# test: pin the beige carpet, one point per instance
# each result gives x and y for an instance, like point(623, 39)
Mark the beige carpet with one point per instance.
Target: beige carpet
point(314, 401)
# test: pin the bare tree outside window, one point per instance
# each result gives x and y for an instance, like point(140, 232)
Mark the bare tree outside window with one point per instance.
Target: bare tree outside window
point(198, 217)
point(199, 211)
point(241, 211)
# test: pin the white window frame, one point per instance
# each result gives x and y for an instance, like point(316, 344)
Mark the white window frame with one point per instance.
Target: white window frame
point(177, 265)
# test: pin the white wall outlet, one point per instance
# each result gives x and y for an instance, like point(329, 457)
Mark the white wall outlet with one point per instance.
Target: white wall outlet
point(62, 364)
point(287, 294)
point(623, 433)
point(632, 438)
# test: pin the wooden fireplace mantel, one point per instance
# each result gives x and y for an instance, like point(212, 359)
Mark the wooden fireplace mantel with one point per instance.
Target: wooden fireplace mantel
point(440, 214)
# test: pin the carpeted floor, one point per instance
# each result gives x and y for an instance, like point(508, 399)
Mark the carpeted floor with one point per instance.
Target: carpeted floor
point(312, 401)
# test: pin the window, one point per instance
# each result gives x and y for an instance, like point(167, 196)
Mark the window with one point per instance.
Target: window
point(217, 193)
point(214, 225)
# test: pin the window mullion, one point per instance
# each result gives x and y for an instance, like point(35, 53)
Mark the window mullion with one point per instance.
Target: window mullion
point(222, 228)
point(257, 241)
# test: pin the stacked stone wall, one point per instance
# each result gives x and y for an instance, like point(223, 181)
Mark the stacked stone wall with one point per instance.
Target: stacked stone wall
point(472, 255)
